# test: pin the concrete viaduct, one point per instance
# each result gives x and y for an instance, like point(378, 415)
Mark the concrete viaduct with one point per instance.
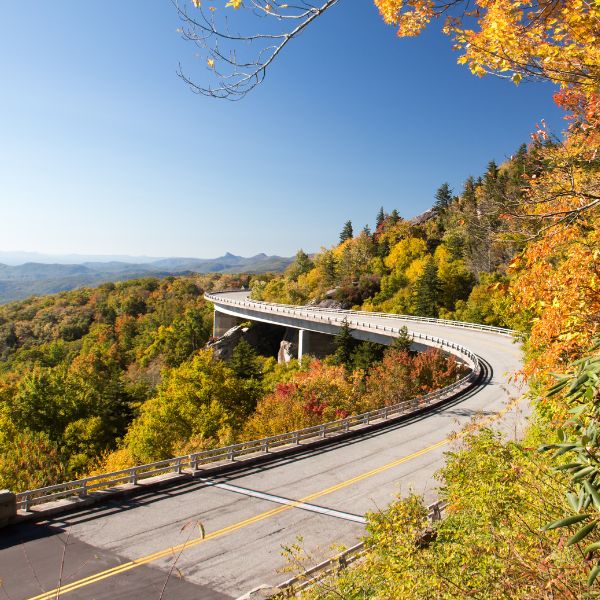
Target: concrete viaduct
point(218, 534)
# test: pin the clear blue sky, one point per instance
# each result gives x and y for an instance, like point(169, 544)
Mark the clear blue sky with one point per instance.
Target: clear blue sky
point(105, 151)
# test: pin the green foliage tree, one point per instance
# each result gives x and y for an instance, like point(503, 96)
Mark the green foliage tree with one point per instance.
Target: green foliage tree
point(244, 361)
point(427, 291)
point(443, 198)
point(344, 344)
point(403, 341)
point(301, 265)
point(379, 219)
point(347, 233)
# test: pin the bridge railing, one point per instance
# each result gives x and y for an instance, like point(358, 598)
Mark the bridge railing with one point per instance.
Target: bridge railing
point(340, 316)
point(309, 311)
point(192, 463)
point(311, 576)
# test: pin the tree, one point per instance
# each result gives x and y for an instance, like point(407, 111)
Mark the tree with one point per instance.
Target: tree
point(380, 219)
point(404, 340)
point(302, 264)
point(555, 42)
point(244, 361)
point(443, 198)
point(347, 233)
point(427, 291)
point(344, 345)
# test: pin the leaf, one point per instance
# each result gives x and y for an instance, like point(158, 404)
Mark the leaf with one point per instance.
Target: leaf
point(566, 522)
point(592, 547)
point(583, 532)
point(593, 492)
point(594, 574)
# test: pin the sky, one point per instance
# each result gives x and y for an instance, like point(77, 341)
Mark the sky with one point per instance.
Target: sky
point(106, 151)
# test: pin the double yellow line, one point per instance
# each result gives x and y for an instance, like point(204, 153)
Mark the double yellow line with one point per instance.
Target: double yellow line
point(174, 550)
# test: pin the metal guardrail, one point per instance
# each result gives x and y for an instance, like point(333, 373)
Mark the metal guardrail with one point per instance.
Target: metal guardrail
point(300, 312)
point(193, 462)
point(331, 566)
point(272, 306)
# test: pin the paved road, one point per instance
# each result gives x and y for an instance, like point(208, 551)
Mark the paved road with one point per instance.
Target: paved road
point(133, 548)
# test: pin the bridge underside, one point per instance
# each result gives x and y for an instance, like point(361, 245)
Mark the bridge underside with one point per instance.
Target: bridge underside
point(291, 340)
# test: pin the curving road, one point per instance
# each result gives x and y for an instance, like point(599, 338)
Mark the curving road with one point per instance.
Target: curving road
point(151, 545)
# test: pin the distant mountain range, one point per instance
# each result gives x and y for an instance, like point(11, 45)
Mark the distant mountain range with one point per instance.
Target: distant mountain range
point(21, 280)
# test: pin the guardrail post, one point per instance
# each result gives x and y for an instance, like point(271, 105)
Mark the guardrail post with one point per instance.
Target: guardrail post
point(385, 413)
point(178, 466)
point(346, 425)
point(265, 446)
point(322, 431)
point(230, 454)
point(296, 438)
point(26, 502)
point(133, 478)
point(83, 489)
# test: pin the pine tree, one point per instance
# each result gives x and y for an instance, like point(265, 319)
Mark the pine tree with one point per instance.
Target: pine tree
point(394, 217)
point(366, 354)
point(427, 292)
point(380, 219)
point(329, 268)
point(403, 341)
point(244, 361)
point(347, 232)
point(443, 198)
point(366, 231)
point(344, 345)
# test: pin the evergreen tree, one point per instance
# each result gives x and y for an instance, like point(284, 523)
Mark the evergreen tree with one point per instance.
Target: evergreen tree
point(469, 196)
point(403, 341)
point(347, 232)
point(394, 217)
point(427, 292)
point(380, 219)
point(366, 231)
point(443, 198)
point(329, 268)
point(244, 361)
point(366, 354)
point(344, 345)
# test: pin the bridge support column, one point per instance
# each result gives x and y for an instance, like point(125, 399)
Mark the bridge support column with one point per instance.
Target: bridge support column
point(223, 323)
point(316, 344)
point(302, 343)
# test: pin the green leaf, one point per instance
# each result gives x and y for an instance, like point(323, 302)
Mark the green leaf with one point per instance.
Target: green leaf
point(593, 574)
point(583, 532)
point(567, 466)
point(593, 492)
point(582, 473)
point(592, 547)
point(566, 521)
point(573, 501)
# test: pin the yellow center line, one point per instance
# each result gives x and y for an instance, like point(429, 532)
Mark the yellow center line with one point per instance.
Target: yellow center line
point(173, 550)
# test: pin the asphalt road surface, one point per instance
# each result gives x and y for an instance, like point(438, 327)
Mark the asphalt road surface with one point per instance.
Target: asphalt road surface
point(219, 538)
